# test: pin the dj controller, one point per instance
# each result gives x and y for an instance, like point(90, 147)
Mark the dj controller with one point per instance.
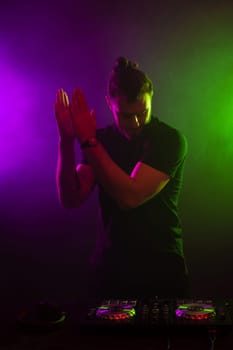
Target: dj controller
point(158, 314)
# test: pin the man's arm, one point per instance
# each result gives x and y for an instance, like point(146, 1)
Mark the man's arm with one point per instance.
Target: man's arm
point(74, 184)
point(129, 191)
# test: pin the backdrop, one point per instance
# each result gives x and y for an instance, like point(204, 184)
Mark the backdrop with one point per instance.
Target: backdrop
point(186, 48)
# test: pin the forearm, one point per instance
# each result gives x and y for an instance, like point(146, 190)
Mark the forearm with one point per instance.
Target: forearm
point(66, 179)
point(114, 180)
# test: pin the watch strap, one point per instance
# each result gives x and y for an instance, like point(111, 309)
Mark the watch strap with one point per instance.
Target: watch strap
point(91, 142)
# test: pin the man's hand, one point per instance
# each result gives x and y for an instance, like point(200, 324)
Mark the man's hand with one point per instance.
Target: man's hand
point(63, 116)
point(84, 121)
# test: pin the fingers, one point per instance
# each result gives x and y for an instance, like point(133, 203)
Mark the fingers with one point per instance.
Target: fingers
point(61, 105)
point(93, 116)
point(62, 98)
point(79, 101)
point(65, 99)
point(59, 96)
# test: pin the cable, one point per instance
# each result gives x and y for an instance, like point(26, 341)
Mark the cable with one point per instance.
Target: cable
point(168, 343)
point(212, 337)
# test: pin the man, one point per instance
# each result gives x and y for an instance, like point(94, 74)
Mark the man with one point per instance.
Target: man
point(137, 164)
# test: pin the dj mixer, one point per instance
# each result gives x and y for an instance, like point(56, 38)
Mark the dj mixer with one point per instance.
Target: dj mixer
point(156, 314)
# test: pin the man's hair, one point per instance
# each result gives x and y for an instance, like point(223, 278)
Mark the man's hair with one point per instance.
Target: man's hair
point(127, 80)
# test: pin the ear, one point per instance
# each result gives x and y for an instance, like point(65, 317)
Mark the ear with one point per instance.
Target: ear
point(107, 98)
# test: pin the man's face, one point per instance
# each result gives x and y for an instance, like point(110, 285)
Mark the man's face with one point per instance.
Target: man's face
point(131, 117)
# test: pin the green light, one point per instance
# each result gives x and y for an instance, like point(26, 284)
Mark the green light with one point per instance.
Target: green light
point(183, 307)
point(195, 94)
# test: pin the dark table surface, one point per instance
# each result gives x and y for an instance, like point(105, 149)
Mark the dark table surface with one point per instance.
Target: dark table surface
point(70, 336)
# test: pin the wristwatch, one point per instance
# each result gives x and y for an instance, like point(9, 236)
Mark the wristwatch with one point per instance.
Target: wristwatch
point(91, 142)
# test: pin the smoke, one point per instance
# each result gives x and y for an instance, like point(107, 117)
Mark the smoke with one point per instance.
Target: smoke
point(17, 132)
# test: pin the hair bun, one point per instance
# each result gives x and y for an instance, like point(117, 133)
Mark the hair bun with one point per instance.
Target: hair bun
point(122, 64)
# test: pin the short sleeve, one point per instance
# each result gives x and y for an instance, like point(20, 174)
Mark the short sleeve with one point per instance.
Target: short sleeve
point(166, 150)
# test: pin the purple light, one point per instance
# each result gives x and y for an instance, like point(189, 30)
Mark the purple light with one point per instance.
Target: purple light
point(115, 311)
point(195, 311)
point(179, 313)
point(16, 114)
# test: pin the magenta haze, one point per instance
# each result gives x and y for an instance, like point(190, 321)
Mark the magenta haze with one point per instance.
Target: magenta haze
point(45, 45)
point(17, 134)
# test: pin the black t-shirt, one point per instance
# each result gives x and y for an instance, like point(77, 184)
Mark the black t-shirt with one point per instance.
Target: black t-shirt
point(153, 227)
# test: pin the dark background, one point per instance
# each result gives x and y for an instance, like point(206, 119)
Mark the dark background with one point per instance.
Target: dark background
point(186, 48)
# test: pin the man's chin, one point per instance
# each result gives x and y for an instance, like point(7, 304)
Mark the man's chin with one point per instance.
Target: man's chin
point(133, 134)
